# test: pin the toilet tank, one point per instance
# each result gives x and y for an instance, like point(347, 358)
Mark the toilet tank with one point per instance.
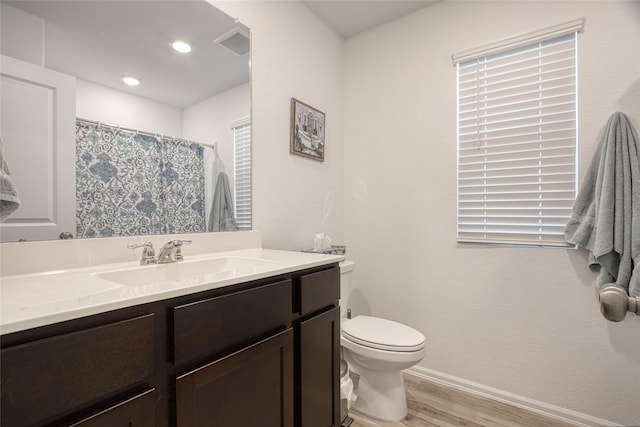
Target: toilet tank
point(346, 283)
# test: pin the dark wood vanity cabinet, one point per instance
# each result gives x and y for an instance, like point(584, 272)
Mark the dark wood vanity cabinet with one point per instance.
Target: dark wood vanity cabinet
point(262, 353)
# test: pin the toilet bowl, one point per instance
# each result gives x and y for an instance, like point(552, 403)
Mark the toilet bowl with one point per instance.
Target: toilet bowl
point(378, 350)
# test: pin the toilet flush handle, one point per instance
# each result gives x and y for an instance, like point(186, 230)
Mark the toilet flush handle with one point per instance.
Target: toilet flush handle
point(348, 313)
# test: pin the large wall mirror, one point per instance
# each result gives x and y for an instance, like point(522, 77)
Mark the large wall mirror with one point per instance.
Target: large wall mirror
point(92, 156)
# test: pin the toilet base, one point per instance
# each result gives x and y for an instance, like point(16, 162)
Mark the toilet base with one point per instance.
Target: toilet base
point(381, 395)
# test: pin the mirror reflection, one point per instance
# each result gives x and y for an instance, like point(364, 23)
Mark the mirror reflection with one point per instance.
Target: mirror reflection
point(124, 118)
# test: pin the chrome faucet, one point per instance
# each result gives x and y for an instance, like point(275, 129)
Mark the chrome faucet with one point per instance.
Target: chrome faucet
point(171, 251)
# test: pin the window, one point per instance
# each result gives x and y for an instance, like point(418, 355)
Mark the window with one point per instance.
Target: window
point(517, 139)
point(242, 173)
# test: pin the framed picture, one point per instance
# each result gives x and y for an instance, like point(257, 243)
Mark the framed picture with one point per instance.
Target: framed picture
point(307, 131)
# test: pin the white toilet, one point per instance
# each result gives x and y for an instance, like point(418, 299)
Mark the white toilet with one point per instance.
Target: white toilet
point(377, 350)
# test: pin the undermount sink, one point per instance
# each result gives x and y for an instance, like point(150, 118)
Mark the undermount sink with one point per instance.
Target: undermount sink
point(186, 271)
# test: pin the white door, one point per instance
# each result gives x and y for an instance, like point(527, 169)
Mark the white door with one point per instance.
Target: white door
point(37, 126)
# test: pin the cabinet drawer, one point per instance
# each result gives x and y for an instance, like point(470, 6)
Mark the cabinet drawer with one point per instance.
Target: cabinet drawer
point(319, 290)
point(139, 411)
point(51, 376)
point(213, 325)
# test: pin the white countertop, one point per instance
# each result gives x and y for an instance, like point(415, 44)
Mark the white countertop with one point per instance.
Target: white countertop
point(38, 299)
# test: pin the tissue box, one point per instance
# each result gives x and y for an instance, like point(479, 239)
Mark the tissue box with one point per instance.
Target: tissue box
point(333, 250)
point(339, 249)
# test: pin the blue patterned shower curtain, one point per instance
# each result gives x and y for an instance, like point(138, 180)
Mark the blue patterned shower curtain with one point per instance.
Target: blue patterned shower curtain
point(134, 183)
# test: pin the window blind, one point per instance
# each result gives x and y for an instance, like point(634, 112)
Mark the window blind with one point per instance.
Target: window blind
point(242, 173)
point(517, 143)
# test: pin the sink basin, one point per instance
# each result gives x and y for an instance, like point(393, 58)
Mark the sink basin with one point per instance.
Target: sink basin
point(198, 271)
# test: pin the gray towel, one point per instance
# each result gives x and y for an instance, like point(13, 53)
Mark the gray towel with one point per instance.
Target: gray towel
point(222, 217)
point(9, 200)
point(606, 214)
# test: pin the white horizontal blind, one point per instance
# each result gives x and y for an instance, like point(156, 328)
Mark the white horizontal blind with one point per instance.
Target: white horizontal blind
point(242, 174)
point(517, 147)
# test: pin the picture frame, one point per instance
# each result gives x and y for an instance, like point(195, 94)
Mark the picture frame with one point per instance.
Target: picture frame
point(307, 131)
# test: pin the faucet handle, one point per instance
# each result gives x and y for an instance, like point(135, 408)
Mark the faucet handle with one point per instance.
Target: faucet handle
point(147, 245)
point(176, 243)
point(148, 254)
point(179, 256)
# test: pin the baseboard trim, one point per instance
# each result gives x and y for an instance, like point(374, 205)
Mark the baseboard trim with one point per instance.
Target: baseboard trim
point(566, 415)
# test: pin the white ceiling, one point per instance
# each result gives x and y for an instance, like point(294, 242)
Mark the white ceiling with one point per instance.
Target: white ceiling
point(351, 17)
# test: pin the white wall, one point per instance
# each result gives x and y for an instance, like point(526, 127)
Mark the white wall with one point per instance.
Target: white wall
point(522, 321)
point(119, 108)
point(210, 122)
point(22, 35)
point(293, 55)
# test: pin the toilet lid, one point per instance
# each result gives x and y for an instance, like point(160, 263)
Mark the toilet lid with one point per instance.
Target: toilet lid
point(382, 334)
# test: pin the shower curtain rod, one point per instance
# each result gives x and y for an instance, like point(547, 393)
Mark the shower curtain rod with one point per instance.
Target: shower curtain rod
point(99, 123)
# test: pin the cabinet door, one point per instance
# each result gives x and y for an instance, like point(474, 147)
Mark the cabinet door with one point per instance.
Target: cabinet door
point(320, 370)
point(138, 411)
point(250, 388)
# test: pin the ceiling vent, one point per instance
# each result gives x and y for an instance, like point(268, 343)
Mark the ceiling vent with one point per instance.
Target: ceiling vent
point(236, 40)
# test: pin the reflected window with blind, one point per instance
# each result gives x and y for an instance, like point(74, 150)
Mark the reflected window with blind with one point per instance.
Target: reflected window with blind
point(242, 173)
point(517, 138)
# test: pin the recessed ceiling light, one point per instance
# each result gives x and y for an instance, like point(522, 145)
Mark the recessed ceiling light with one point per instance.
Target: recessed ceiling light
point(130, 80)
point(181, 47)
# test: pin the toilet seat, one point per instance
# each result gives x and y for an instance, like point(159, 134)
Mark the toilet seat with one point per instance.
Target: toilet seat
point(382, 334)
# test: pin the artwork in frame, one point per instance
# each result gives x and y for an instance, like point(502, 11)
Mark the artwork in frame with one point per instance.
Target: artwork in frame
point(307, 131)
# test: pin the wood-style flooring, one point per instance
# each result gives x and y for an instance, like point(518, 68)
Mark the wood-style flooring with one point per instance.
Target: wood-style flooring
point(433, 404)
